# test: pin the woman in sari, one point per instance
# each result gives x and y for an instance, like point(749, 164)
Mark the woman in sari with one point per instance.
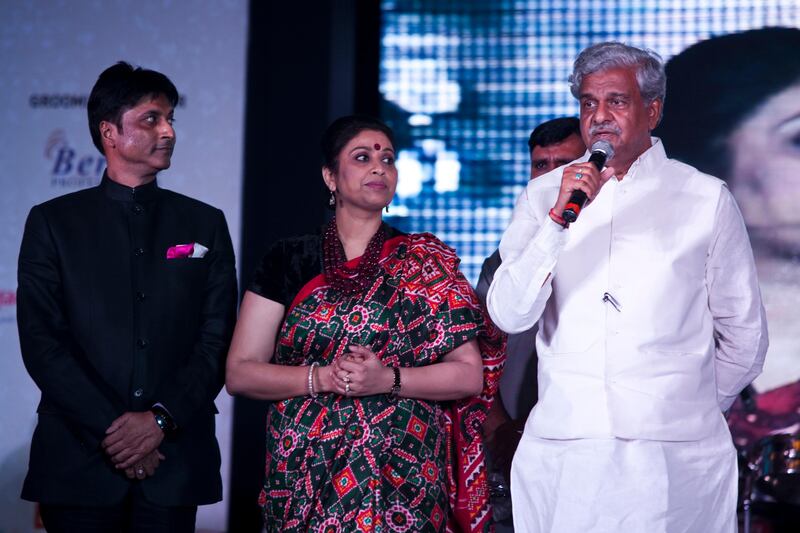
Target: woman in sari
point(377, 357)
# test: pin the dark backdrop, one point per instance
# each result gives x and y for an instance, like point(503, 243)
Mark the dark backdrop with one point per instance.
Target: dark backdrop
point(308, 63)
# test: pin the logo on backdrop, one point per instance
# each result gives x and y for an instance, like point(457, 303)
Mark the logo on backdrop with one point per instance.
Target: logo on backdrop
point(69, 167)
point(58, 101)
point(70, 101)
point(8, 303)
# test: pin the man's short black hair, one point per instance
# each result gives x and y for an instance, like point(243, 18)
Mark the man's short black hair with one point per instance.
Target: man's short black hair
point(121, 87)
point(554, 131)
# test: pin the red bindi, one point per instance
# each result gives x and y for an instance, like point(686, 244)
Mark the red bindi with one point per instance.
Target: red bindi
point(377, 146)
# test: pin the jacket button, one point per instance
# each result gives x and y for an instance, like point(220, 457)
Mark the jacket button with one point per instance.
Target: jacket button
point(138, 393)
point(141, 343)
point(139, 251)
point(139, 295)
point(138, 209)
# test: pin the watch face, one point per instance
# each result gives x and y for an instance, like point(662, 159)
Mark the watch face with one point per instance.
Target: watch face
point(163, 422)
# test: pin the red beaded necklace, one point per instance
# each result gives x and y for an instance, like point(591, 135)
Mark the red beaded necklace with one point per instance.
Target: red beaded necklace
point(356, 280)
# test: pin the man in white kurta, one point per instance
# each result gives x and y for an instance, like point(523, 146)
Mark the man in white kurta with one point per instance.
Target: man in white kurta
point(650, 324)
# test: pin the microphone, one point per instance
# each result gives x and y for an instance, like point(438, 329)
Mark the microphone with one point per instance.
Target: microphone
point(748, 396)
point(602, 151)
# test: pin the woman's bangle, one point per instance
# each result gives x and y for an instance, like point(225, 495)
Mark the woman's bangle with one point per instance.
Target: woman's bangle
point(394, 392)
point(558, 219)
point(311, 391)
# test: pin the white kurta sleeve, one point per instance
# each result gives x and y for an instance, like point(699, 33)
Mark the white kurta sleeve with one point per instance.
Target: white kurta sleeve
point(522, 284)
point(740, 325)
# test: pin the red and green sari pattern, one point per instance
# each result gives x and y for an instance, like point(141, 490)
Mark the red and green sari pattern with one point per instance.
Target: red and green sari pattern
point(342, 464)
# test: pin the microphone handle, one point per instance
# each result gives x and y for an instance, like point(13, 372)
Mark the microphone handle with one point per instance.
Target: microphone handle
point(578, 198)
point(748, 396)
point(573, 208)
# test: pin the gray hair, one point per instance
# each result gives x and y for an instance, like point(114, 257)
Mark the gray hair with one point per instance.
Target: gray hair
point(603, 56)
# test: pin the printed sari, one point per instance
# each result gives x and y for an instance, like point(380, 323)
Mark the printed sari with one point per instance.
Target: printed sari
point(375, 464)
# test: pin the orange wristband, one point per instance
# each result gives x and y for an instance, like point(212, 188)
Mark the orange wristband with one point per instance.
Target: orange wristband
point(558, 219)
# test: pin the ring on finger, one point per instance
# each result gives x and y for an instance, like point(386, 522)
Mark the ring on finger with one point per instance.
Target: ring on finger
point(346, 377)
point(139, 471)
point(347, 387)
point(578, 176)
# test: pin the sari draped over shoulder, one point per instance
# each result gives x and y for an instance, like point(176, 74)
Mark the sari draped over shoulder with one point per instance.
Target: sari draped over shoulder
point(373, 463)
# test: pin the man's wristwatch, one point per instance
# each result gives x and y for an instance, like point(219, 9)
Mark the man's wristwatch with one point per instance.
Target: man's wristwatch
point(394, 392)
point(164, 420)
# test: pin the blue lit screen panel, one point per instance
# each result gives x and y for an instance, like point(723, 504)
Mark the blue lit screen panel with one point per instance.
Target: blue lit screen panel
point(464, 82)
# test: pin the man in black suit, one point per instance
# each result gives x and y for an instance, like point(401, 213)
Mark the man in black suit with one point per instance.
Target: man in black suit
point(125, 306)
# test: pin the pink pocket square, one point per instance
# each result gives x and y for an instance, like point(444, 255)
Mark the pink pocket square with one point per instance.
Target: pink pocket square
point(181, 251)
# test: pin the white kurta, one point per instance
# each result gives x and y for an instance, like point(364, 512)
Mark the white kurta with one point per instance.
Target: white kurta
point(650, 323)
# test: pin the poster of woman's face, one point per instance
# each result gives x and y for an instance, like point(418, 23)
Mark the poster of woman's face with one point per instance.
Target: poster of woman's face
point(733, 111)
point(765, 171)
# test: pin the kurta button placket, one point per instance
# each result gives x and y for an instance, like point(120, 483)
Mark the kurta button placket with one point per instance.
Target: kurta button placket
point(138, 207)
point(139, 222)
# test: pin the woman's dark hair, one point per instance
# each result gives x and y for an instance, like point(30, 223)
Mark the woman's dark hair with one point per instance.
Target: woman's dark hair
point(714, 85)
point(342, 130)
point(121, 87)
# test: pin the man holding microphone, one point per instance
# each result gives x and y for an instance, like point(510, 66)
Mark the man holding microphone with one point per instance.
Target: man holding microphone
point(650, 321)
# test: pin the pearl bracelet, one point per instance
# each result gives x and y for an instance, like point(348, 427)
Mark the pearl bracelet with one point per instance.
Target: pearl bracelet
point(311, 391)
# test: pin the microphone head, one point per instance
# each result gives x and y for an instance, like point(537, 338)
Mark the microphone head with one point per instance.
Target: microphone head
point(603, 147)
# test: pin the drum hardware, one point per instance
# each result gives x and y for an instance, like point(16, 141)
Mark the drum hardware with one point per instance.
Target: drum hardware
point(772, 468)
point(747, 496)
point(776, 464)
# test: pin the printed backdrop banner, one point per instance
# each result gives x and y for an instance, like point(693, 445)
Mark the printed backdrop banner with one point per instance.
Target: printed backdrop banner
point(51, 54)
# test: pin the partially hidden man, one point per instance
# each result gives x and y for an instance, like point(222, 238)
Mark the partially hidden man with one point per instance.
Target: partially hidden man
point(126, 305)
point(650, 323)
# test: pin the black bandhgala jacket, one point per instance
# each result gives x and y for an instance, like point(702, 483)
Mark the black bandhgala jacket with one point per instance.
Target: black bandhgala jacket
point(108, 324)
